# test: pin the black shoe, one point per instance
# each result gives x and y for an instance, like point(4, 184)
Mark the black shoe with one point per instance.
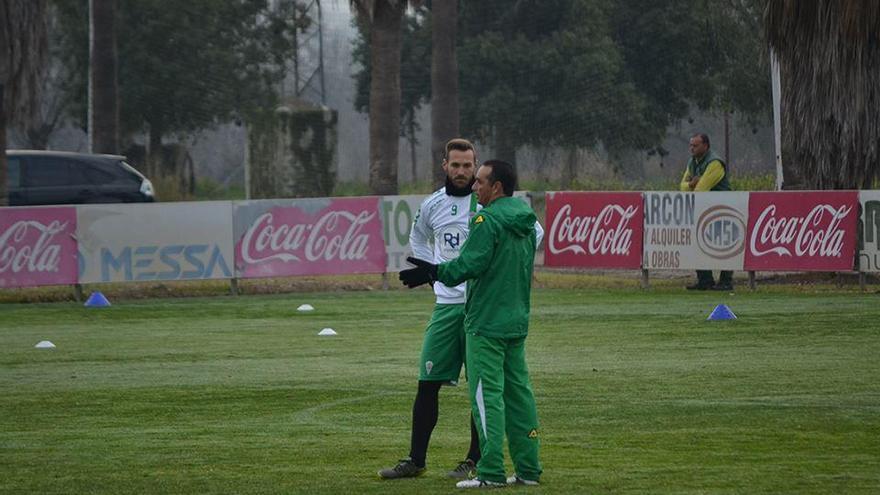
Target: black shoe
point(723, 287)
point(465, 469)
point(404, 469)
point(699, 286)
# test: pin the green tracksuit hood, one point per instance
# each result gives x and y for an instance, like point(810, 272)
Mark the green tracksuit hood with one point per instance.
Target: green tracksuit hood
point(514, 214)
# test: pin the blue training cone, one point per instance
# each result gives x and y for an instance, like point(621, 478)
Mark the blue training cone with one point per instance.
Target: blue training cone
point(721, 312)
point(97, 300)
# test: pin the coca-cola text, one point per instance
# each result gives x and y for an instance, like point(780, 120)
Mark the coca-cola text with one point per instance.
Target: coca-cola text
point(27, 246)
point(608, 233)
point(817, 234)
point(336, 235)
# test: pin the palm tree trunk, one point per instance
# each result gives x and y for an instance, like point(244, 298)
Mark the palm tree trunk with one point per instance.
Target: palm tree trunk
point(792, 171)
point(23, 49)
point(154, 153)
point(4, 193)
point(385, 36)
point(411, 137)
point(828, 57)
point(570, 171)
point(104, 113)
point(444, 82)
point(505, 148)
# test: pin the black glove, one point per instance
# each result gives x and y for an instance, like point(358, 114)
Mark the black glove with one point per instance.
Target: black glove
point(423, 273)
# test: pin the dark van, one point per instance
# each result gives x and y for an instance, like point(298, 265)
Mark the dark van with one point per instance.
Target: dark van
point(57, 177)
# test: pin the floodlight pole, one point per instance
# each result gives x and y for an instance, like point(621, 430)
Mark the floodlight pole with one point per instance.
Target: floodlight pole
point(247, 162)
point(90, 120)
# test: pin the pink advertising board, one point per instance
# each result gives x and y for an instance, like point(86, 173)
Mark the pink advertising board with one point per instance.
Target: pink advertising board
point(594, 230)
point(810, 230)
point(278, 238)
point(38, 246)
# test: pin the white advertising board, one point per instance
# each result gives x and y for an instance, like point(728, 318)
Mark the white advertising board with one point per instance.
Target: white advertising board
point(398, 213)
point(869, 229)
point(701, 231)
point(161, 241)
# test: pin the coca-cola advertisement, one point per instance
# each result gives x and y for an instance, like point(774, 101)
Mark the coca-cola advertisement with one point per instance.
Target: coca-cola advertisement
point(594, 230)
point(277, 238)
point(37, 246)
point(810, 230)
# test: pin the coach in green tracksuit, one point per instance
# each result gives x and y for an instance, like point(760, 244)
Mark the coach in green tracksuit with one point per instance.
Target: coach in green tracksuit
point(497, 261)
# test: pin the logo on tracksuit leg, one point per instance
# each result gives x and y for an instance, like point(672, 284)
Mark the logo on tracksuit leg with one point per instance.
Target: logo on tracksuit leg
point(533, 433)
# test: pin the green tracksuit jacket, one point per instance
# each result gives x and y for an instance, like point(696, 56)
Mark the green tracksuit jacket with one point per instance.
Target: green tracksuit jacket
point(497, 261)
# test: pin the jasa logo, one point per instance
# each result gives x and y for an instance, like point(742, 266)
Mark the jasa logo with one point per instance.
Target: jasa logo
point(721, 232)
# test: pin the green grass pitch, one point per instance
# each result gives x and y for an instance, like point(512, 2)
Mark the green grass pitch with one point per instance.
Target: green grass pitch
point(636, 392)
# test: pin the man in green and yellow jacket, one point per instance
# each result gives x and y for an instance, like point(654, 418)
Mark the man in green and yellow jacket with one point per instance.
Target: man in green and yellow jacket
point(706, 171)
point(497, 262)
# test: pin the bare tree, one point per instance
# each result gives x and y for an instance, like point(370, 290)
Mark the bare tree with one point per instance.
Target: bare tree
point(52, 109)
point(829, 54)
point(384, 17)
point(23, 48)
point(444, 81)
point(38, 131)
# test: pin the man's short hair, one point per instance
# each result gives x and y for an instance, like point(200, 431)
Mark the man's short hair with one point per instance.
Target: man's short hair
point(459, 144)
point(703, 137)
point(504, 173)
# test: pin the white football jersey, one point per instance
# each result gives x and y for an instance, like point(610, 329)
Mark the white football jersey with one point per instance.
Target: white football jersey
point(440, 229)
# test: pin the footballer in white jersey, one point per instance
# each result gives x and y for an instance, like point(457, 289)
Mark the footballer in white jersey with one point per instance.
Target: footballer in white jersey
point(439, 230)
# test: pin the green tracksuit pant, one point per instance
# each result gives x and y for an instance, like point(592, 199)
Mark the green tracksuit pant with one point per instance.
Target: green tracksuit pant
point(503, 403)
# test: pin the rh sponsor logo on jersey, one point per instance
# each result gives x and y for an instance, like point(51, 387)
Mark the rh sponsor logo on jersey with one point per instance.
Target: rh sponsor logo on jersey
point(451, 239)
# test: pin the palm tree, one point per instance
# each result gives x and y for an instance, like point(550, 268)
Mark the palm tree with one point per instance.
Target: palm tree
point(444, 80)
point(384, 17)
point(104, 111)
point(829, 54)
point(22, 61)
